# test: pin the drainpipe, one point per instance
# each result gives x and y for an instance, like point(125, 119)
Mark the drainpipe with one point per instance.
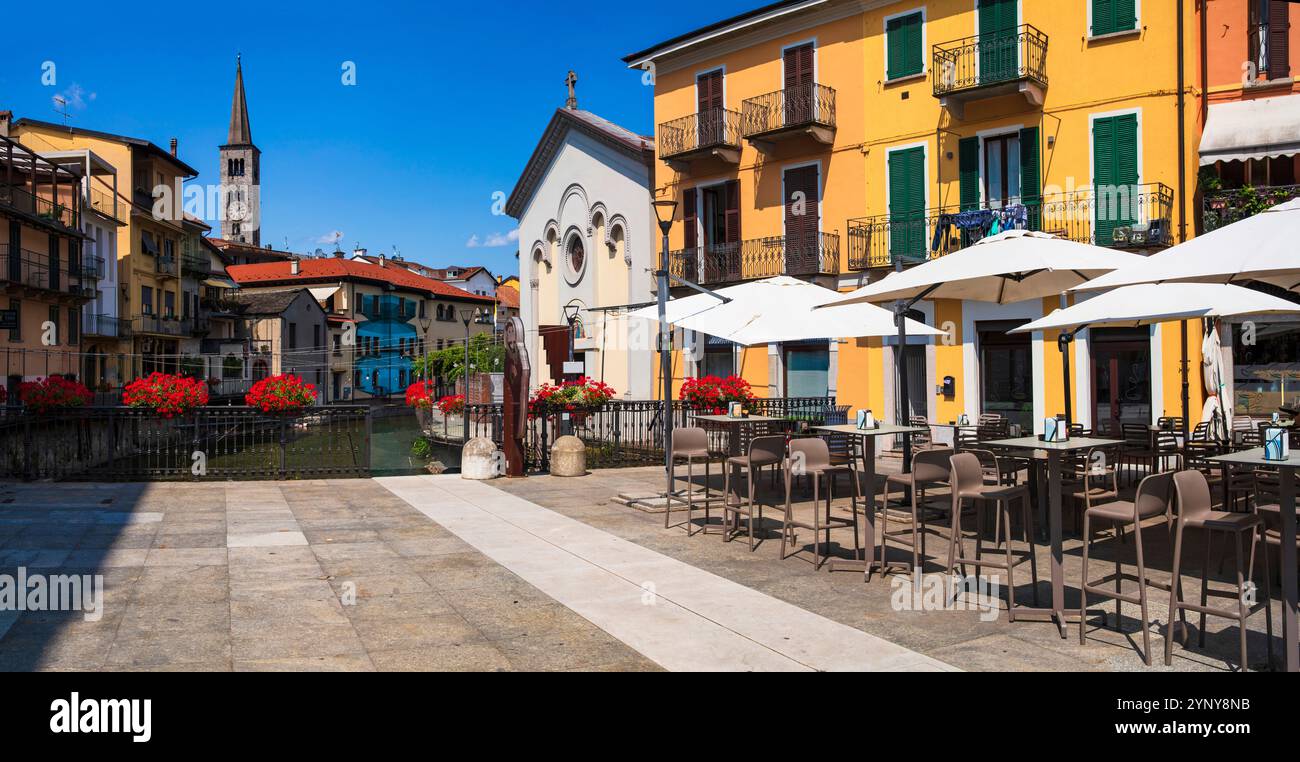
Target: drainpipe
point(1182, 196)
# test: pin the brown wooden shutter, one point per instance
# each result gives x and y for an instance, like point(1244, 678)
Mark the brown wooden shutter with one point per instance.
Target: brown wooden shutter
point(801, 229)
point(799, 66)
point(690, 218)
point(732, 214)
point(1279, 28)
point(710, 90)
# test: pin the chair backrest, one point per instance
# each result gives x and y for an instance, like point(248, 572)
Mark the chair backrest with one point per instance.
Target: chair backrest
point(1155, 493)
point(690, 439)
point(813, 452)
point(966, 474)
point(987, 418)
point(1243, 423)
point(770, 449)
point(1202, 432)
point(1193, 494)
point(1170, 422)
point(921, 437)
point(1136, 434)
point(932, 466)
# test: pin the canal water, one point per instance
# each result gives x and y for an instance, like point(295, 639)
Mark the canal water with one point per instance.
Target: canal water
point(394, 433)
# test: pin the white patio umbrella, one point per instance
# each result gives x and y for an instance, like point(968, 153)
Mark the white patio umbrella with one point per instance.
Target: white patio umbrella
point(1261, 248)
point(777, 310)
point(1014, 266)
point(1148, 303)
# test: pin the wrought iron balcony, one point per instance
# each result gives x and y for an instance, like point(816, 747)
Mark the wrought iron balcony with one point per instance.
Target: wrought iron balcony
point(715, 132)
point(990, 65)
point(105, 327)
point(1127, 217)
point(817, 254)
point(91, 268)
point(802, 110)
point(22, 200)
point(25, 269)
point(197, 263)
point(1224, 207)
point(164, 265)
point(161, 326)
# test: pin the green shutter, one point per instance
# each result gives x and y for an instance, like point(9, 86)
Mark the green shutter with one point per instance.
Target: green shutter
point(1110, 16)
point(1115, 174)
point(1031, 181)
point(907, 203)
point(968, 172)
point(903, 37)
point(999, 50)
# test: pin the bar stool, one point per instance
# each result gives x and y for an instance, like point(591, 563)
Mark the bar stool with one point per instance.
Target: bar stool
point(1195, 512)
point(967, 479)
point(930, 468)
point(1154, 498)
point(813, 458)
point(763, 452)
point(691, 444)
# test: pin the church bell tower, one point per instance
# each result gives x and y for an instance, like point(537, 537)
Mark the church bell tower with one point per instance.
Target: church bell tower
point(241, 172)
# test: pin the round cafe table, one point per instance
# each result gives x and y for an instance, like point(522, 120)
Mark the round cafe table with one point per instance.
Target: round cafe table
point(734, 426)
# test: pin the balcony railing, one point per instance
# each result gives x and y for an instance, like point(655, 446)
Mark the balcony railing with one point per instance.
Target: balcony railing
point(32, 269)
point(987, 60)
point(162, 326)
point(91, 268)
point(707, 131)
point(164, 265)
point(794, 109)
point(105, 327)
point(109, 205)
point(1127, 217)
point(1224, 207)
point(197, 263)
point(817, 254)
point(22, 200)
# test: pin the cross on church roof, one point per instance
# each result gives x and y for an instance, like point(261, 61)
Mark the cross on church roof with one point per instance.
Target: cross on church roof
point(572, 82)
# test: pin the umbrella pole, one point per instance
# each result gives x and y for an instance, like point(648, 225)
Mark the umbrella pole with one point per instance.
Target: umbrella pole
point(1064, 342)
point(904, 398)
point(1187, 384)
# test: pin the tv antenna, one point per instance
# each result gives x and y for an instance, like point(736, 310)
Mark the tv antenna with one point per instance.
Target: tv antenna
point(61, 109)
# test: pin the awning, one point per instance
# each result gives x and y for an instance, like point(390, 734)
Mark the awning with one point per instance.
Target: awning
point(323, 292)
point(1256, 129)
point(217, 282)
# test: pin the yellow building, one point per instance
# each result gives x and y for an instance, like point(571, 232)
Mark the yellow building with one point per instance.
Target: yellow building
point(148, 246)
point(837, 140)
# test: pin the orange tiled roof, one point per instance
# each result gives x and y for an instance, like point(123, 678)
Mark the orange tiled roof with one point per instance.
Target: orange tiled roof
point(333, 269)
point(508, 297)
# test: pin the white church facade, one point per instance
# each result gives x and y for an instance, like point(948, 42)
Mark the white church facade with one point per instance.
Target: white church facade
point(586, 243)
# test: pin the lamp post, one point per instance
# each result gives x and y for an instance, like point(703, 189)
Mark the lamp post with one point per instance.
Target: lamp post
point(665, 210)
point(466, 317)
point(425, 325)
point(571, 312)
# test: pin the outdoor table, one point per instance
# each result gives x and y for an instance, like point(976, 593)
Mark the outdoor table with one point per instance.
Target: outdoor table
point(1053, 452)
point(869, 466)
point(736, 424)
point(1286, 478)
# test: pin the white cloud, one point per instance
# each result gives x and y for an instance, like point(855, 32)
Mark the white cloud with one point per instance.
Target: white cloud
point(331, 237)
point(493, 240)
point(75, 96)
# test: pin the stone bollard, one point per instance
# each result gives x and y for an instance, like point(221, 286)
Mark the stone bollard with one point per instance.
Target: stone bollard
point(480, 461)
point(569, 457)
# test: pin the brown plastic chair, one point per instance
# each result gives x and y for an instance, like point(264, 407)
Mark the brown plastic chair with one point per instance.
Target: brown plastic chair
point(930, 468)
point(1090, 478)
point(967, 480)
point(691, 444)
point(812, 457)
point(1195, 511)
point(1137, 449)
point(1268, 505)
point(1154, 498)
point(764, 452)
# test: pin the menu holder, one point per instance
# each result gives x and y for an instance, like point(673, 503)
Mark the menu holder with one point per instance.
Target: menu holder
point(1277, 445)
point(867, 421)
point(736, 410)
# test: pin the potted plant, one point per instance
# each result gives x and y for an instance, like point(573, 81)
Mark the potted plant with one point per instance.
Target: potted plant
point(53, 393)
point(453, 404)
point(576, 398)
point(712, 395)
point(283, 394)
point(166, 394)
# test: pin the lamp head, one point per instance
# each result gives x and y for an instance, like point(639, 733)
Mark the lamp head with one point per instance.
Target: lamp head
point(665, 209)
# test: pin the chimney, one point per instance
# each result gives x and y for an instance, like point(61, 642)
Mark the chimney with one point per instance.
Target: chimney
point(293, 266)
point(338, 253)
point(358, 252)
point(381, 259)
point(5, 118)
point(173, 146)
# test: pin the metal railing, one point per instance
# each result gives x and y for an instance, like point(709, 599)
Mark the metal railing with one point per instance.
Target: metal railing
point(164, 265)
point(816, 254)
point(1224, 207)
point(713, 128)
point(1137, 216)
point(109, 205)
point(990, 59)
point(23, 200)
point(800, 106)
point(105, 326)
point(27, 268)
point(622, 433)
point(197, 263)
point(163, 326)
point(91, 267)
point(127, 444)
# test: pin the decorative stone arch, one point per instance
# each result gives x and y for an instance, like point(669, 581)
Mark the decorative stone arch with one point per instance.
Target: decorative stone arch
point(575, 190)
point(616, 232)
point(597, 210)
point(542, 254)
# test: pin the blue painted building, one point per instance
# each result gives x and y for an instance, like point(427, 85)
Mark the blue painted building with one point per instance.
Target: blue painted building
point(387, 344)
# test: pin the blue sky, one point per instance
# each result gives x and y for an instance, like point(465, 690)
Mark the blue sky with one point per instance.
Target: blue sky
point(449, 101)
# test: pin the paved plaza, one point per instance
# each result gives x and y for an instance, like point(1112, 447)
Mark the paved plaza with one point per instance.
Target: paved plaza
point(438, 573)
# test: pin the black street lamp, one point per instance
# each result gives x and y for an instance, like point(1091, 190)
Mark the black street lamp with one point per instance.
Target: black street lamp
point(665, 210)
point(467, 317)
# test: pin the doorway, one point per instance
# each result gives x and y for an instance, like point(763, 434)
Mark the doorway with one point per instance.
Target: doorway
point(1007, 372)
point(1121, 377)
point(916, 399)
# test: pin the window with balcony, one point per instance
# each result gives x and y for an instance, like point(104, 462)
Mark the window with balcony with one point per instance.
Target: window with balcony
point(1112, 16)
point(907, 202)
point(1114, 174)
point(146, 300)
point(905, 45)
point(1268, 38)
